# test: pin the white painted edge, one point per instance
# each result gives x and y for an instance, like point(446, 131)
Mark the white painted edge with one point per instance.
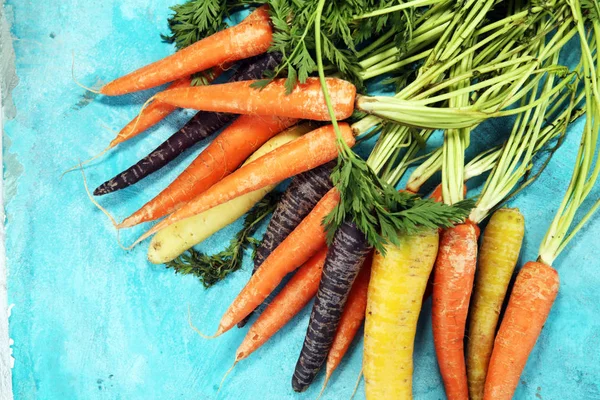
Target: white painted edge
point(6, 360)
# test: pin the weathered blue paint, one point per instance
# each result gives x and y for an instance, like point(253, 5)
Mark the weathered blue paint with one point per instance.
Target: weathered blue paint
point(91, 321)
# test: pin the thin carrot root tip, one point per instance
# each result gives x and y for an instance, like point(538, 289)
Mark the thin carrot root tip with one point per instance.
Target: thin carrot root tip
point(360, 375)
point(202, 335)
point(81, 164)
point(121, 245)
point(94, 202)
point(324, 386)
point(144, 106)
point(225, 376)
point(96, 91)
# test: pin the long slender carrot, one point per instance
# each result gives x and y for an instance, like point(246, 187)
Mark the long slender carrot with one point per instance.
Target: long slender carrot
point(347, 253)
point(498, 257)
point(398, 281)
point(352, 318)
point(151, 115)
point(252, 37)
point(295, 250)
point(453, 282)
point(309, 151)
point(292, 298)
point(220, 158)
point(306, 101)
point(530, 302)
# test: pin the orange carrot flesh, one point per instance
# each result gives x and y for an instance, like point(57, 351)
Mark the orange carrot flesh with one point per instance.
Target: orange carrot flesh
point(307, 152)
point(151, 115)
point(250, 38)
point(238, 141)
point(306, 101)
point(453, 283)
point(295, 250)
point(528, 308)
point(352, 318)
point(293, 297)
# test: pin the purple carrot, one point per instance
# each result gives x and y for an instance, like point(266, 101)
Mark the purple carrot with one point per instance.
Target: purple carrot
point(344, 259)
point(201, 126)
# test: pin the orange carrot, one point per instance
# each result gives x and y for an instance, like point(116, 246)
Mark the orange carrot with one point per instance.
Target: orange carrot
point(293, 297)
point(151, 115)
point(453, 282)
point(295, 250)
point(251, 37)
point(305, 153)
point(352, 318)
point(306, 101)
point(530, 302)
point(238, 141)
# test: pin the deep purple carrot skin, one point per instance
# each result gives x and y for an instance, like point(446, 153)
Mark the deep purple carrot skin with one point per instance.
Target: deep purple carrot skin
point(201, 126)
point(344, 259)
point(300, 197)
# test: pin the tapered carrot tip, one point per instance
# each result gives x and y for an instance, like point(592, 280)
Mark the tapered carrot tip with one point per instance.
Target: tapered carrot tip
point(202, 335)
point(225, 376)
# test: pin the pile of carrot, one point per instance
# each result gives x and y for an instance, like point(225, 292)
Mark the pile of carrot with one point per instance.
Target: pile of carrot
point(263, 139)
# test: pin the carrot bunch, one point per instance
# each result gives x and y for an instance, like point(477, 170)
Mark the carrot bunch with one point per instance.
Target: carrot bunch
point(340, 208)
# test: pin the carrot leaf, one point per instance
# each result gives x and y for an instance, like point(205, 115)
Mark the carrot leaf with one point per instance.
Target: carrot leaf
point(211, 269)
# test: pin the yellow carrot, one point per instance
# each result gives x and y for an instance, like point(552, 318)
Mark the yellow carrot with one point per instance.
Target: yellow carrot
point(498, 257)
point(394, 300)
point(179, 237)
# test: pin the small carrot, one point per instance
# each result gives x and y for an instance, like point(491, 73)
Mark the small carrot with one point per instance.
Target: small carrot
point(222, 156)
point(394, 300)
point(309, 151)
point(151, 115)
point(306, 101)
point(453, 282)
point(292, 298)
point(295, 250)
point(498, 256)
point(251, 37)
point(528, 308)
point(352, 318)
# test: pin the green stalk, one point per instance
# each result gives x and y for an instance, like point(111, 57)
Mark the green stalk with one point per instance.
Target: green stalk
point(399, 7)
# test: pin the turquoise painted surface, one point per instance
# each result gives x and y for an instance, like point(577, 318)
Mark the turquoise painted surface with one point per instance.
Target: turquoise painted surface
point(93, 322)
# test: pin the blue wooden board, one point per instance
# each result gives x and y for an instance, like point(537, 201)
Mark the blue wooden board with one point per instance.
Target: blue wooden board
point(91, 321)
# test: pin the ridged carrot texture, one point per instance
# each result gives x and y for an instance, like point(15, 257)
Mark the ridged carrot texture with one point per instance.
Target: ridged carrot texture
point(251, 37)
point(306, 101)
point(300, 197)
point(292, 298)
point(347, 253)
point(222, 156)
point(295, 250)
point(169, 243)
point(305, 153)
point(151, 115)
point(498, 256)
point(528, 308)
point(352, 318)
point(452, 286)
point(394, 301)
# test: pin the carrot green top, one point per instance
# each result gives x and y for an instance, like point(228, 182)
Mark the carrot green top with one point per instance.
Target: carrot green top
point(587, 166)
